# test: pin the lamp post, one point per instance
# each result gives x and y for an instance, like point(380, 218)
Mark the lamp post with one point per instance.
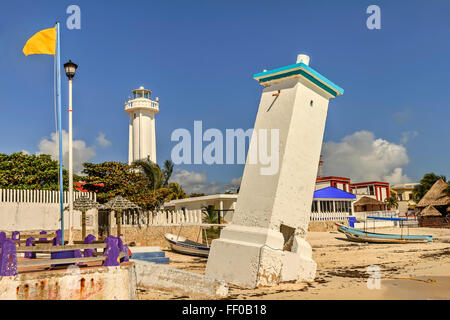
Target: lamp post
point(70, 69)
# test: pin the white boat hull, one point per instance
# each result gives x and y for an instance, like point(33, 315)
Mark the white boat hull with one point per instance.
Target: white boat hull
point(182, 245)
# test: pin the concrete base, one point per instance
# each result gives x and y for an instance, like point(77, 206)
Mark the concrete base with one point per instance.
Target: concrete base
point(94, 283)
point(154, 276)
point(252, 257)
point(145, 249)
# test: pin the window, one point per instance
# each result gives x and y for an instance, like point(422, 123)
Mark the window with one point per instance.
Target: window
point(371, 190)
point(314, 206)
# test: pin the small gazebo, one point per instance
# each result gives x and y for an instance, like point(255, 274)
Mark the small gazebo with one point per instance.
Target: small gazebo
point(119, 204)
point(83, 204)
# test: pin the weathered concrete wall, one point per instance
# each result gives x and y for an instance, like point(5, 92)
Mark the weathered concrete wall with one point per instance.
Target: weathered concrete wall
point(20, 216)
point(324, 226)
point(96, 283)
point(154, 235)
point(152, 275)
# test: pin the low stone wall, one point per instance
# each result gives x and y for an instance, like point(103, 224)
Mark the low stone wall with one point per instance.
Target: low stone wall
point(324, 226)
point(94, 283)
point(141, 236)
point(154, 235)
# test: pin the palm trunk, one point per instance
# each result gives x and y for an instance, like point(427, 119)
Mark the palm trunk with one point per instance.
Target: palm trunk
point(83, 225)
point(119, 221)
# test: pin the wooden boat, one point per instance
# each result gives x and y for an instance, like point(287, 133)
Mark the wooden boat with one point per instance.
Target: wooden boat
point(185, 246)
point(372, 237)
point(193, 248)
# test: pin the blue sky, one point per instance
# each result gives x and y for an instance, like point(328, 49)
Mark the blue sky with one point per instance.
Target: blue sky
point(199, 58)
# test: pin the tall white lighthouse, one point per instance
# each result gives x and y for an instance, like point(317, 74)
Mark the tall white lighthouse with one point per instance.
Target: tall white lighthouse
point(142, 137)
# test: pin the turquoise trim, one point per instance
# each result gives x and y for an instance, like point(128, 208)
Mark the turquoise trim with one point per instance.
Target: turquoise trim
point(303, 70)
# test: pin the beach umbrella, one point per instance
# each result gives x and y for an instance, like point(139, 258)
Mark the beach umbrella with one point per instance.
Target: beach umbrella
point(83, 204)
point(118, 204)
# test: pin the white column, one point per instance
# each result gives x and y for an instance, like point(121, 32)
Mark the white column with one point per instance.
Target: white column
point(250, 252)
point(70, 235)
point(130, 140)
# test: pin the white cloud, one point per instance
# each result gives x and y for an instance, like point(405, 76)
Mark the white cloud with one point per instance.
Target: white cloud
point(102, 141)
point(81, 152)
point(236, 181)
point(363, 158)
point(196, 182)
point(24, 152)
point(397, 177)
point(408, 135)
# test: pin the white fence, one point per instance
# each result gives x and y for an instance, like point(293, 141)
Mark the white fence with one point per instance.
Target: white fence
point(162, 218)
point(384, 213)
point(39, 196)
point(339, 216)
point(329, 216)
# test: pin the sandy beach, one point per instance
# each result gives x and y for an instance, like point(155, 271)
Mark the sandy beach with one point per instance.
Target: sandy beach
point(407, 271)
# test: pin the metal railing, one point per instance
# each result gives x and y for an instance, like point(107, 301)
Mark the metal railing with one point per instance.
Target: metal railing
point(114, 252)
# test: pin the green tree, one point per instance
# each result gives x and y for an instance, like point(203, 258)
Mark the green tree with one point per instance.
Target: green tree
point(210, 215)
point(392, 202)
point(117, 179)
point(425, 184)
point(195, 195)
point(176, 191)
point(143, 187)
point(157, 178)
point(23, 171)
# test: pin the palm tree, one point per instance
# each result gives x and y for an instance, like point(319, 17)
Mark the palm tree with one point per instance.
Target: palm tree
point(392, 202)
point(176, 191)
point(157, 178)
point(167, 173)
point(210, 214)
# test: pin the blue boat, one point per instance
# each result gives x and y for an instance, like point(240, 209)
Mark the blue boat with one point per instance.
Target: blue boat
point(372, 237)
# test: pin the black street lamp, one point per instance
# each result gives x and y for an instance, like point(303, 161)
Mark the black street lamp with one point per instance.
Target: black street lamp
point(71, 69)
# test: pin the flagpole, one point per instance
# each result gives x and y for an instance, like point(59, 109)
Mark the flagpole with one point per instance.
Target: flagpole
point(58, 99)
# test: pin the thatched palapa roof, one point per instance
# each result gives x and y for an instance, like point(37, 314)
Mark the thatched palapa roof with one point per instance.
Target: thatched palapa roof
point(84, 203)
point(119, 203)
point(430, 211)
point(436, 196)
point(368, 200)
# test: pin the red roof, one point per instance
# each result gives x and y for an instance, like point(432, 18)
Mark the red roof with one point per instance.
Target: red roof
point(333, 178)
point(370, 183)
point(79, 186)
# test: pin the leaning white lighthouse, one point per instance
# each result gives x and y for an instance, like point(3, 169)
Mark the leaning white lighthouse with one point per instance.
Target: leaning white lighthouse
point(142, 137)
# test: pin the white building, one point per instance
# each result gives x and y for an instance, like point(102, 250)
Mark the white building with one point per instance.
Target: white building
point(142, 136)
point(223, 203)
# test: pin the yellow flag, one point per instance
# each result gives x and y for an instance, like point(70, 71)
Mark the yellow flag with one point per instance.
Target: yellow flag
point(43, 42)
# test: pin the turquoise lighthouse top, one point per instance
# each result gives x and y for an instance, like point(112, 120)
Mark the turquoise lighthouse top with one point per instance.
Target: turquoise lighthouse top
point(302, 69)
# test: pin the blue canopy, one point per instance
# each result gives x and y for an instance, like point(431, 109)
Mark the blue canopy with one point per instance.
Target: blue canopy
point(332, 193)
point(387, 218)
